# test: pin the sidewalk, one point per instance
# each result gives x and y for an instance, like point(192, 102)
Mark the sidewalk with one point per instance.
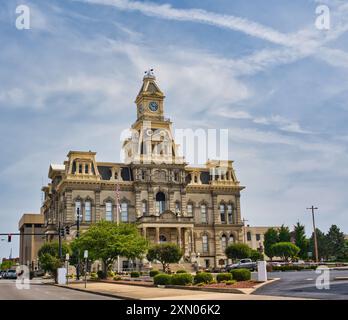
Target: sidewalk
point(144, 293)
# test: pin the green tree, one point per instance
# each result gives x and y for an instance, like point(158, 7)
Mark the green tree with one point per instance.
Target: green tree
point(301, 241)
point(256, 255)
point(285, 250)
point(6, 265)
point(48, 256)
point(335, 242)
point(284, 234)
point(271, 237)
point(238, 251)
point(165, 253)
point(106, 240)
point(322, 245)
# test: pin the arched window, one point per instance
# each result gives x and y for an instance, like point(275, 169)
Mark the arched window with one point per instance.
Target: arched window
point(144, 208)
point(177, 207)
point(204, 213)
point(190, 209)
point(222, 213)
point(88, 211)
point(108, 211)
point(160, 202)
point(230, 213)
point(124, 212)
point(223, 243)
point(231, 239)
point(205, 245)
point(78, 212)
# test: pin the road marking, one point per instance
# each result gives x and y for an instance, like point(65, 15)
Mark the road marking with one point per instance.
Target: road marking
point(309, 279)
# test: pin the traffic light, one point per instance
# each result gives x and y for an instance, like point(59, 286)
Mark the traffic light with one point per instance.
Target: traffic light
point(9, 237)
point(61, 232)
point(67, 230)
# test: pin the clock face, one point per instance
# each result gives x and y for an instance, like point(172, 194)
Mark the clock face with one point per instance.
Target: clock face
point(153, 106)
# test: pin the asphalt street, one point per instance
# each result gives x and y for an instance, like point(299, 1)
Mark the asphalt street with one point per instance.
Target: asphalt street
point(40, 291)
point(302, 284)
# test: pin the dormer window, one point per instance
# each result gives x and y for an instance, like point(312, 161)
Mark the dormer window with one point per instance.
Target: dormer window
point(86, 168)
point(80, 168)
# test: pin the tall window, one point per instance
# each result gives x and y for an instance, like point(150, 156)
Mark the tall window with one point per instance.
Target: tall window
point(144, 208)
point(222, 213)
point(160, 202)
point(230, 213)
point(177, 207)
point(88, 215)
point(231, 239)
point(204, 213)
point(108, 211)
point(223, 243)
point(205, 248)
point(124, 212)
point(190, 209)
point(248, 236)
point(78, 210)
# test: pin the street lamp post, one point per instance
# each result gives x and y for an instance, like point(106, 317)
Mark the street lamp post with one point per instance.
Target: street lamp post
point(312, 208)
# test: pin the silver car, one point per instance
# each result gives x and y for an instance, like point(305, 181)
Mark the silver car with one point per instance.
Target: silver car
point(11, 274)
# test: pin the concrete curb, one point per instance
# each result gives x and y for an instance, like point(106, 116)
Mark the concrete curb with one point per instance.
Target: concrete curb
point(96, 292)
point(263, 284)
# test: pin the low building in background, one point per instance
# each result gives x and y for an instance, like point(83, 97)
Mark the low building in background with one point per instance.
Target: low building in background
point(255, 236)
point(29, 243)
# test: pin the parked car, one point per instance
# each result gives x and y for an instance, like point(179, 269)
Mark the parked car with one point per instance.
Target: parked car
point(11, 274)
point(243, 264)
point(1, 274)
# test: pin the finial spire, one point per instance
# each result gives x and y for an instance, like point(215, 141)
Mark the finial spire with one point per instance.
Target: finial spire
point(149, 74)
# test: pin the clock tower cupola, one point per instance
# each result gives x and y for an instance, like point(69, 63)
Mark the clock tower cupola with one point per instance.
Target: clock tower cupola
point(150, 98)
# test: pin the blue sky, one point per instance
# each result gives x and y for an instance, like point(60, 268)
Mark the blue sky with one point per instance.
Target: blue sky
point(259, 68)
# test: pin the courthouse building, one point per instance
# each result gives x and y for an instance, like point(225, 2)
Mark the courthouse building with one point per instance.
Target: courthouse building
point(170, 201)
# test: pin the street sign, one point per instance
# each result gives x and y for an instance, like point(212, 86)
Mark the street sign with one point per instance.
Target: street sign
point(85, 254)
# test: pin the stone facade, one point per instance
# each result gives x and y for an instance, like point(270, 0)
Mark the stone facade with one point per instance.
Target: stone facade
point(195, 207)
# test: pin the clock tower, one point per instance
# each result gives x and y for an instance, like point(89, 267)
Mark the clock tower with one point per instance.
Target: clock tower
point(150, 98)
point(152, 137)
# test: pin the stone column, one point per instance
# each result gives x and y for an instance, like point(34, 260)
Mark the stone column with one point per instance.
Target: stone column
point(70, 216)
point(186, 242)
point(144, 232)
point(151, 203)
point(138, 209)
point(97, 206)
point(216, 217)
point(179, 237)
point(171, 201)
point(157, 240)
point(183, 208)
point(238, 213)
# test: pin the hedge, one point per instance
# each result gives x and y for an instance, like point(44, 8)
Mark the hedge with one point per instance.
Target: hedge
point(154, 273)
point(223, 277)
point(293, 268)
point(181, 279)
point(241, 274)
point(181, 271)
point(203, 277)
point(101, 274)
point(162, 279)
point(135, 274)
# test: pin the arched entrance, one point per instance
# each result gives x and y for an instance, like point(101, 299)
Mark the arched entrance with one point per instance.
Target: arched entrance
point(160, 202)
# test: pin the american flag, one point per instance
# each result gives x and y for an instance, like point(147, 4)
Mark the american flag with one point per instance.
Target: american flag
point(118, 204)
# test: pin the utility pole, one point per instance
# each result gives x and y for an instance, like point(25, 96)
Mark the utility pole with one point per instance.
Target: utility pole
point(244, 220)
point(312, 208)
point(78, 250)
